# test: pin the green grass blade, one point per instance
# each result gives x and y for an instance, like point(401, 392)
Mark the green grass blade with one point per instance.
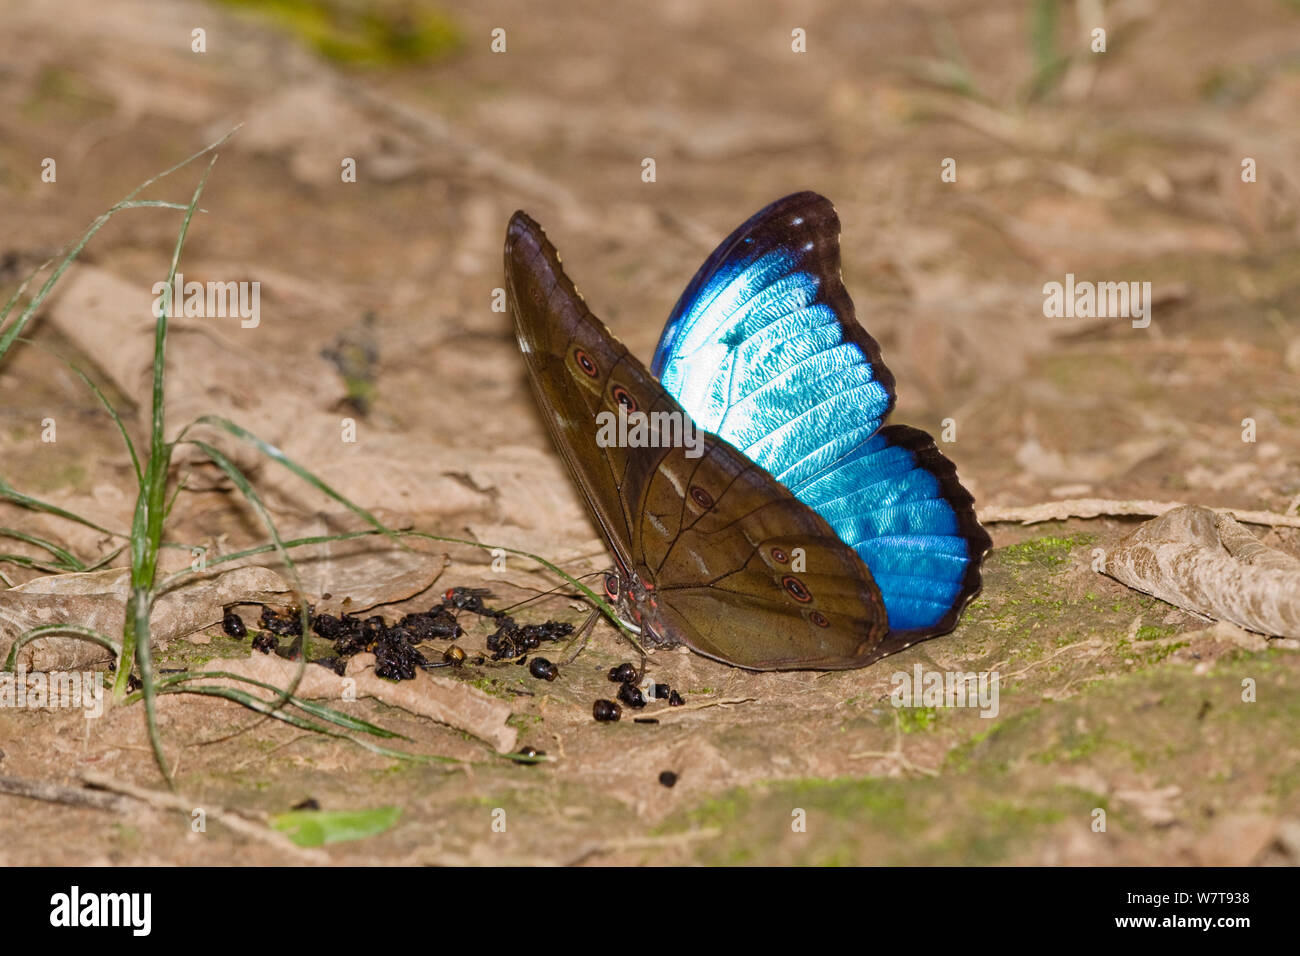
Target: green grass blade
point(23, 561)
point(15, 329)
point(255, 703)
point(7, 493)
point(275, 454)
point(147, 525)
point(117, 420)
point(241, 482)
point(68, 560)
point(45, 630)
point(323, 711)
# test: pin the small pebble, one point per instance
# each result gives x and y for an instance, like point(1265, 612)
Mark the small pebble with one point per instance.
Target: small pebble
point(668, 778)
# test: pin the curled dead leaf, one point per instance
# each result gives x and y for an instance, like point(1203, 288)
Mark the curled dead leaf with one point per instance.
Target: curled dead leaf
point(1209, 564)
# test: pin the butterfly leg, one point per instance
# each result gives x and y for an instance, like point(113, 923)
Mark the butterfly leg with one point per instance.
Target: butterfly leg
point(581, 638)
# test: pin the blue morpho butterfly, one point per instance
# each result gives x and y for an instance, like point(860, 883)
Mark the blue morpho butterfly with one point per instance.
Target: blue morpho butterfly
point(798, 532)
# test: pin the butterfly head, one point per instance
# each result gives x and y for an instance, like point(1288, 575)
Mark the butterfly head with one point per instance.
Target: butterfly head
point(635, 602)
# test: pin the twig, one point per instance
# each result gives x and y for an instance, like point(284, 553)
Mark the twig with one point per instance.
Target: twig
point(670, 711)
point(1090, 642)
point(896, 755)
point(68, 796)
point(162, 800)
point(1107, 507)
point(643, 843)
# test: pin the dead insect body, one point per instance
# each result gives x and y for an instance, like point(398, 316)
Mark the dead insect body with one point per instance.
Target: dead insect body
point(543, 669)
point(395, 656)
point(454, 655)
point(662, 691)
point(622, 673)
point(675, 699)
point(337, 664)
point(469, 599)
point(438, 624)
point(284, 622)
point(631, 695)
point(233, 625)
point(265, 642)
point(606, 710)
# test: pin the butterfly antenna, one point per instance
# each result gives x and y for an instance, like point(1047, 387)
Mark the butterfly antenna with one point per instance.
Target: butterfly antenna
point(540, 594)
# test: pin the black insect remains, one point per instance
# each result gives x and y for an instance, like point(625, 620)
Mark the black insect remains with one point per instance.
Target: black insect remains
point(631, 695)
point(606, 710)
point(668, 778)
point(265, 642)
point(541, 668)
point(510, 640)
point(622, 673)
point(625, 675)
point(282, 621)
point(133, 683)
point(395, 645)
point(338, 665)
point(233, 625)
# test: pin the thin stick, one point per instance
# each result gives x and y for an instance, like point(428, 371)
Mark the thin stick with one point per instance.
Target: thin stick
point(897, 756)
point(643, 843)
point(68, 796)
point(163, 800)
point(1107, 507)
point(670, 711)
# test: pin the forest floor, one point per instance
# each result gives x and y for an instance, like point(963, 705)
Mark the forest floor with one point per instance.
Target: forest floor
point(377, 307)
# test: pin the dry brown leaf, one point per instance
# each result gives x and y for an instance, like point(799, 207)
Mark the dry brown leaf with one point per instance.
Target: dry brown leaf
point(451, 702)
point(97, 599)
point(1200, 562)
point(362, 573)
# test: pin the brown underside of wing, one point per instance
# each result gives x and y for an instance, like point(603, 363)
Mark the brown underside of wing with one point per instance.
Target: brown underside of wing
point(742, 570)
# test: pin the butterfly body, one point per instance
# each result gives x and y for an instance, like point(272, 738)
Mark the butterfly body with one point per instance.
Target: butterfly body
point(712, 543)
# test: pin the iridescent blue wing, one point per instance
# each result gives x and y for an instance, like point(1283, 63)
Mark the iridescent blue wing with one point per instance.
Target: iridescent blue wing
point(764, 350)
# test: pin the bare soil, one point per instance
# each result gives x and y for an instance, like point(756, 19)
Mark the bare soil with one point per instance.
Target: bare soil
point(1121, 166)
